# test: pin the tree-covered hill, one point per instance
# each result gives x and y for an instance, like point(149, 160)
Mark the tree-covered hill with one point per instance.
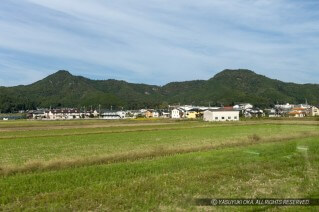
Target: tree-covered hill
point(63, 89)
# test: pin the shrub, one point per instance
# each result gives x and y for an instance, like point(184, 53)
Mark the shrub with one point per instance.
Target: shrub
point(254, 137)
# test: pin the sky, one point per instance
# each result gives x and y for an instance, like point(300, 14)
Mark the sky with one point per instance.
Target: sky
point(158, 41)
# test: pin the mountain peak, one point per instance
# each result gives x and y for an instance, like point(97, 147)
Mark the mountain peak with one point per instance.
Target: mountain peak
point(232, 72)
point(60, 75)
point(235, 73)
point(63, 72)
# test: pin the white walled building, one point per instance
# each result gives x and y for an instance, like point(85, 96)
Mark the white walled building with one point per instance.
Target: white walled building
point(55, 114)
point(95, 113)
point(111, 114)
point(176, 114)
point(314, 111)
point(121, 114)
point(155, 114)
point(221, 115)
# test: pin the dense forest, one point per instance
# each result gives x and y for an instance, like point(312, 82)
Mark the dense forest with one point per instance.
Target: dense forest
point(228, 87)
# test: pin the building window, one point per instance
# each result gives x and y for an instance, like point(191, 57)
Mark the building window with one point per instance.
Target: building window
point(216, 118)
point(229, 117)
point(223, 117)
point(235, 117)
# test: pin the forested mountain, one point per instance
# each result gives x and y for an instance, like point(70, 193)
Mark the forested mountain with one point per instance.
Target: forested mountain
point(63, 89)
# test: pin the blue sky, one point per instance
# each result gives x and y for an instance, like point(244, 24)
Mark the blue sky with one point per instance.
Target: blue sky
point(156, 42)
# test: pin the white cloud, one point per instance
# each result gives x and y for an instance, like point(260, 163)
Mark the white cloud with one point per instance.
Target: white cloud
point(161, 41)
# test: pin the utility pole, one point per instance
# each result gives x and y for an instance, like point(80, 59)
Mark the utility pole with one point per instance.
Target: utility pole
point(99, 111)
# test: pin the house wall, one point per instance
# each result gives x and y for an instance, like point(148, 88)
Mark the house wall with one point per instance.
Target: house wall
point(208, 116)
point(191, 115)
point(148, 114)
point(111, 117)
point(221, 116)
point(314, 111)
point(175, 114)
point(121, 114)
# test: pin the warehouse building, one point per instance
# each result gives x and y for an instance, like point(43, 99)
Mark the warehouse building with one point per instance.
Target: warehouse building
point(221, 115)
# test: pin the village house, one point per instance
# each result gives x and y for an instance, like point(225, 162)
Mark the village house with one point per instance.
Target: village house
point(253, 112)
point(122, 114)
point(37, 114)
point(283, 110)
point(165, 114)
point(156, 114)
point(191, 114)
point(176, 114)
point(58, 114)
point(248, 110)
point(133, 114)
point(221, 115)
point(314, 111)
point(151, 114)
point(112, 114)
point(298, 112)
point(272, 113)
point(95, 113)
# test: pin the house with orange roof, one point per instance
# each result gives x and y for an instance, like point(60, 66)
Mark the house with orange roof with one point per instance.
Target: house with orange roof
point(298, 112)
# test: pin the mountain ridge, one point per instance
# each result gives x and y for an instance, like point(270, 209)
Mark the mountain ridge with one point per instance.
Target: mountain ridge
point(62, 89)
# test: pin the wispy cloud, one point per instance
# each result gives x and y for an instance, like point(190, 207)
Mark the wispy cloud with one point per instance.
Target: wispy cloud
point(158, 41)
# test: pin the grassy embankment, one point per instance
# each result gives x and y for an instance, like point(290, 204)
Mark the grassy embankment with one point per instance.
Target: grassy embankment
point(164, 166)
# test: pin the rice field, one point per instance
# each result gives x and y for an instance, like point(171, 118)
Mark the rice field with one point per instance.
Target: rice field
point(158, 165)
